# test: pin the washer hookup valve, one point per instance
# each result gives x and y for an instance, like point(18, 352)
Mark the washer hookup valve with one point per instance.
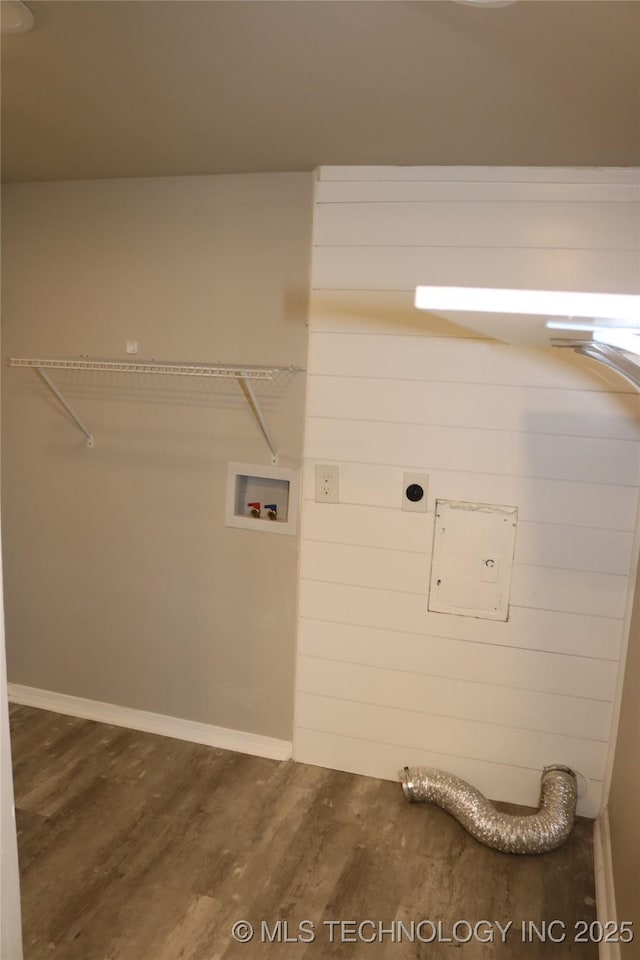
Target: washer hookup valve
point(272, 510)
point(255, 509)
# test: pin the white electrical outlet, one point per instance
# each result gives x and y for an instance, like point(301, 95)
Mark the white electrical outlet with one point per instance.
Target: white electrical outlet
point(326, 483)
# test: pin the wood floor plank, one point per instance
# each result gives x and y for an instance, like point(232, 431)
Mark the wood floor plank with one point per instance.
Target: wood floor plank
point(137, 847)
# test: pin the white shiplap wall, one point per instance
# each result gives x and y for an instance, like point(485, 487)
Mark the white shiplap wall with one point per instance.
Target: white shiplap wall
point(380, 681)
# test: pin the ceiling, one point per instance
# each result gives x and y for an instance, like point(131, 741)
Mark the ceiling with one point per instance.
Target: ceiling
point(138, 88)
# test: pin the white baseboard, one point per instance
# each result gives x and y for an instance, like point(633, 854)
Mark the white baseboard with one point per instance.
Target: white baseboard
point(605, 891)
point(237, 740)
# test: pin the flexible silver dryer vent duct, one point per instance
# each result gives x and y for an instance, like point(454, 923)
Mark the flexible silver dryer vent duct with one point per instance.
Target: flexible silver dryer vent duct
point(537, 832)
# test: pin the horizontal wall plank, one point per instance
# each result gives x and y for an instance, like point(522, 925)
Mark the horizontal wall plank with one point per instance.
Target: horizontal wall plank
point(578, 413)
point(574, 548)
point(382, 191)
point(391, 529)
point(550, 545)
point(575, 226)
point(483, 703)
point(469, 450)
point(463, 738)
point(452, 361)
point(569, 633)
point(573, 676)
point(543, 588)
point(462, 174)
point(606, 507)
point(394, 268)
point(495, 780)
point(366, 567)
point(569, 591)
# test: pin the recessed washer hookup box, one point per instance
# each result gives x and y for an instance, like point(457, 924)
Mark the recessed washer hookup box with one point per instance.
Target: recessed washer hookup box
point(262, 498)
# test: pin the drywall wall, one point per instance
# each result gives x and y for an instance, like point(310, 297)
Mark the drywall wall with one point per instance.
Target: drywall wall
point(381, 682)
point(624, 794)
point(122, 583)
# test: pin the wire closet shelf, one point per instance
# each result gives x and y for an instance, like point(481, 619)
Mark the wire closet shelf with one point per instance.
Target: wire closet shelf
point(242, 373)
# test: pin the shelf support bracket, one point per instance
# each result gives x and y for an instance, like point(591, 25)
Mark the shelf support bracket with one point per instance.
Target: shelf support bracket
point(252, 400)
point(49, 382)
point(604, 353)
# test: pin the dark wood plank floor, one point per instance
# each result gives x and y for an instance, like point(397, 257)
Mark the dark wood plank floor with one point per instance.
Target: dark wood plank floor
point(138, 847)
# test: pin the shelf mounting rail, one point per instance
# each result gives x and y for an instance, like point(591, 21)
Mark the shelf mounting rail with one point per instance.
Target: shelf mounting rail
point(242, 374)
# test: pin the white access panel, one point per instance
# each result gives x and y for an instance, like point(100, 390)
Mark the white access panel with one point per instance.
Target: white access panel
point(473, 545)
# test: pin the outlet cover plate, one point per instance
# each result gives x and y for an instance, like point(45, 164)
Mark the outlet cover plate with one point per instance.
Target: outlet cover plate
point(326, 483)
